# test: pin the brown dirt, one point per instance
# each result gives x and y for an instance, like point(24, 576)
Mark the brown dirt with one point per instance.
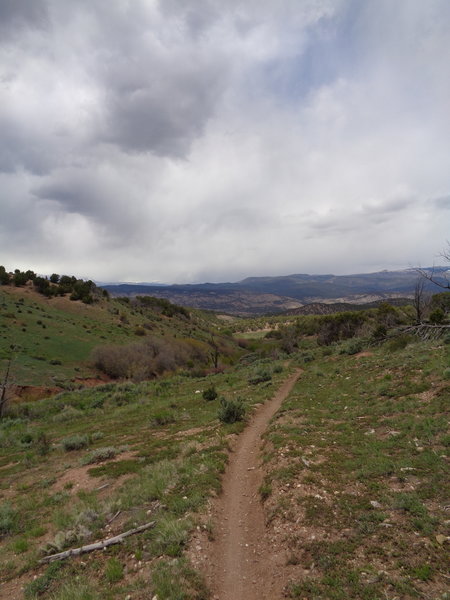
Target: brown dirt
point(239, 563)
point(81, 480)
point(93, 381)
point(31, 393)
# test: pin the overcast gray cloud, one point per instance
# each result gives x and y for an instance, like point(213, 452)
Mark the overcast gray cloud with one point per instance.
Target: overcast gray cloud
point(183, 140)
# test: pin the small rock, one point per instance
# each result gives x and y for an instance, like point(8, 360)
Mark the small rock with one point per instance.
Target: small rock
point(375, 504)
point(441, 539)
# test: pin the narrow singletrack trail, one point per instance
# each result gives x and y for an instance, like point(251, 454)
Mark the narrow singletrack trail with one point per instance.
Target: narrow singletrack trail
point(241, 565)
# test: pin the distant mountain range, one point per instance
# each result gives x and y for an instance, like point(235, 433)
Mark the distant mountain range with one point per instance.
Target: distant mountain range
point(259, 295)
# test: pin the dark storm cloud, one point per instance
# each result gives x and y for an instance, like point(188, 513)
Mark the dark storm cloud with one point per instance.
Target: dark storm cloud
point(16, 14)
point(163, 140)
point(164, 110)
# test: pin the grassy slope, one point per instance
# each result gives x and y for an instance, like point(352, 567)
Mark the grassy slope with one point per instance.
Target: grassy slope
point(356, 430)
point(357, 482)
point(47, 330)
point(170, 452)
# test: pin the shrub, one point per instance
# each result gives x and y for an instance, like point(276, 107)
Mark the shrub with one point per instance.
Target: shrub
point(68, 413)
point(164, 417)
point(352, 347)
point(379, 332)
point(398, 343)
point(260, 376)
point(341, 326)
point(75, 442)
point(9, 519)
point(43, 443)
point(437, 316)
point(231, 411)
point(99, 455)
point(210, 393)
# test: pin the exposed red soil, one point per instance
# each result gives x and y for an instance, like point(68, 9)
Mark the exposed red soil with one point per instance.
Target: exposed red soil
point(30, 393)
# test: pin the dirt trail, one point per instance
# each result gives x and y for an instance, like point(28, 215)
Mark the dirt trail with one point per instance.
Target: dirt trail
point(241, 565)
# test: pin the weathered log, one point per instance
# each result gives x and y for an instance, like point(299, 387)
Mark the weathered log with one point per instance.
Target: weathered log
point(97, 545)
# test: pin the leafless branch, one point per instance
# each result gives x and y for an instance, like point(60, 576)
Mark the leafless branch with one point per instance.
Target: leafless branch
point(98, 545)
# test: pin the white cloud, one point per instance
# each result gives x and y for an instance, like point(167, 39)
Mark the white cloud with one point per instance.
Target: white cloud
point(181, 141)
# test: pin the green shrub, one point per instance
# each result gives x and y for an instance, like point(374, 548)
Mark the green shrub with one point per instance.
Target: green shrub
point(398, 343)
point(9, 519)
point(43, 443)
point(99, 455)
point(379, 332)
point(446, 373)
point(68, 413)
point(437, 316)
point(260, 376)
point(75, 442)
point(163, 417)
point(352, 347)
point(423, 572)
point(231, 411)
point(210, 393)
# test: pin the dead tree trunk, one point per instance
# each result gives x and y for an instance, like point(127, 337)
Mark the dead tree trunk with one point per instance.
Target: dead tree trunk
point(118, 539)
point(4, 388)
point(215, 352)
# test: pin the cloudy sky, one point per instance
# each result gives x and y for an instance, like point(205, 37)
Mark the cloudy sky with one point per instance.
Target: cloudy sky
point(203, 140)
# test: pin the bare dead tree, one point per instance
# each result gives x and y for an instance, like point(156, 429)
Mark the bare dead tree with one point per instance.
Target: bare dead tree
point(215, 352)
point(4, 387)
point(442, 281)
point(420, 299)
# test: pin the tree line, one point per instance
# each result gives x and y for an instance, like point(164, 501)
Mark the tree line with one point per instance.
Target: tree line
point(55, 285)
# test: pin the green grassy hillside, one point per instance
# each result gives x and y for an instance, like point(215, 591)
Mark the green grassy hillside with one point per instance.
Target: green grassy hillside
point(356, 461)
point(357, 475)
point(51, 339)
point(91, 463)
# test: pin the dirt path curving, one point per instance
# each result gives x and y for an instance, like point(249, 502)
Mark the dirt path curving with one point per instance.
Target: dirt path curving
point(241, 565)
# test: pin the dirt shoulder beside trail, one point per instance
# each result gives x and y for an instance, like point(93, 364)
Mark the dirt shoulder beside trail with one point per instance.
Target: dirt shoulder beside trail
point(238, 563)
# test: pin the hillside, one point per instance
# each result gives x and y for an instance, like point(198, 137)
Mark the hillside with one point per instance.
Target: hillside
point(52, 339)
point(355, 468)
point(259, 295)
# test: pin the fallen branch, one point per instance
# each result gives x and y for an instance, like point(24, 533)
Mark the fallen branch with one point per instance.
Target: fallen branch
point(98, 545)
point(113, 517)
